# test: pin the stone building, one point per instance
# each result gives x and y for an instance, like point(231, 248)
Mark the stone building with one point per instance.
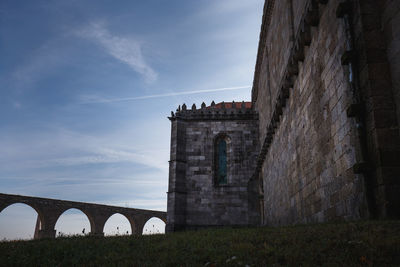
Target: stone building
point(213, 152)
point(319, 140)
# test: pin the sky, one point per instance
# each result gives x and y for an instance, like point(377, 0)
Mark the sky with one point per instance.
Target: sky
point(86, 87)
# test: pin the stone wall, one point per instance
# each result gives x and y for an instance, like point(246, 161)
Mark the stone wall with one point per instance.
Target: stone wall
point(377, 67)
point(320, 160)
point(326, 92)
point(199, 202)
point(390, 23)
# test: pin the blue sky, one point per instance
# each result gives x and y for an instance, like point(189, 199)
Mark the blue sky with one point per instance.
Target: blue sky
point(86, 87)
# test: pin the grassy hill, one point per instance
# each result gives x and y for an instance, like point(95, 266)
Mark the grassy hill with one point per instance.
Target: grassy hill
point(350, 244)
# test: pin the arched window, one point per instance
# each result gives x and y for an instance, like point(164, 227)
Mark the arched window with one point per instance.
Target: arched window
point(221, 162)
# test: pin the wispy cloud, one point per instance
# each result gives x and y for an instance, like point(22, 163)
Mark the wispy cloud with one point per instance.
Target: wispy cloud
point(61, 163)
point(101, 156)
point(126, 50)
point(66, 148)
point(97, 99)
point(38, 64)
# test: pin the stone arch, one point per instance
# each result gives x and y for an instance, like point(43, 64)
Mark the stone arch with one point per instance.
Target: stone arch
point(158, 219)
point(164, 219)
point(39, 219)
point(32, 205)
point(225, 140)
point(85, 212)
point(129, 218)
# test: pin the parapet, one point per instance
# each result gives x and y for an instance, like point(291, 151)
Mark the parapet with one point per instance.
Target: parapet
point(220, 111)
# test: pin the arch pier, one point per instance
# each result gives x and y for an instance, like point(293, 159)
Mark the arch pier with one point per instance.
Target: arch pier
point(49, 210)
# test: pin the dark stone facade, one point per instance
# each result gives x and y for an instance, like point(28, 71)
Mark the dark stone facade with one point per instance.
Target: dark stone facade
point(326, 110)
point(324, 91)
point(194, 198)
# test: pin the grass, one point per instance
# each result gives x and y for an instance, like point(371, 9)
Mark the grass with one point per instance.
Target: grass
point(364, 243)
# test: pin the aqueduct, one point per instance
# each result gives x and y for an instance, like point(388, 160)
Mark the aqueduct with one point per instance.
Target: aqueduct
point(49, 210)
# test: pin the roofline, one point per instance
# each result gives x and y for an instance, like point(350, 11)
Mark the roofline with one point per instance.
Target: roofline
point(266, 19)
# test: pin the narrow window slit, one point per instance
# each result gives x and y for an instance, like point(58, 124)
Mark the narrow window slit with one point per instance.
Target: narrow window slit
point(221, 162)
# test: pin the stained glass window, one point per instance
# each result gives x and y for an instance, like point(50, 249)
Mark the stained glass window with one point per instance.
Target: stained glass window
point(221, 162)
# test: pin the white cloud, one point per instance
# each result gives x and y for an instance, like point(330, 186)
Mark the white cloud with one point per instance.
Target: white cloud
point(39, 63)
point(62, 147)
point(101, 155)
point(126, 50)
point(92, 99)
point(108, 168)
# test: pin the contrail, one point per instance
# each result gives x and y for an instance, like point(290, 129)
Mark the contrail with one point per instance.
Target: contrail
point(112, 100)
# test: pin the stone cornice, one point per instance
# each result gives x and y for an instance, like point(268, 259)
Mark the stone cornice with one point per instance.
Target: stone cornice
point(266, 19)
point(303, 38)
point(216, 112)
